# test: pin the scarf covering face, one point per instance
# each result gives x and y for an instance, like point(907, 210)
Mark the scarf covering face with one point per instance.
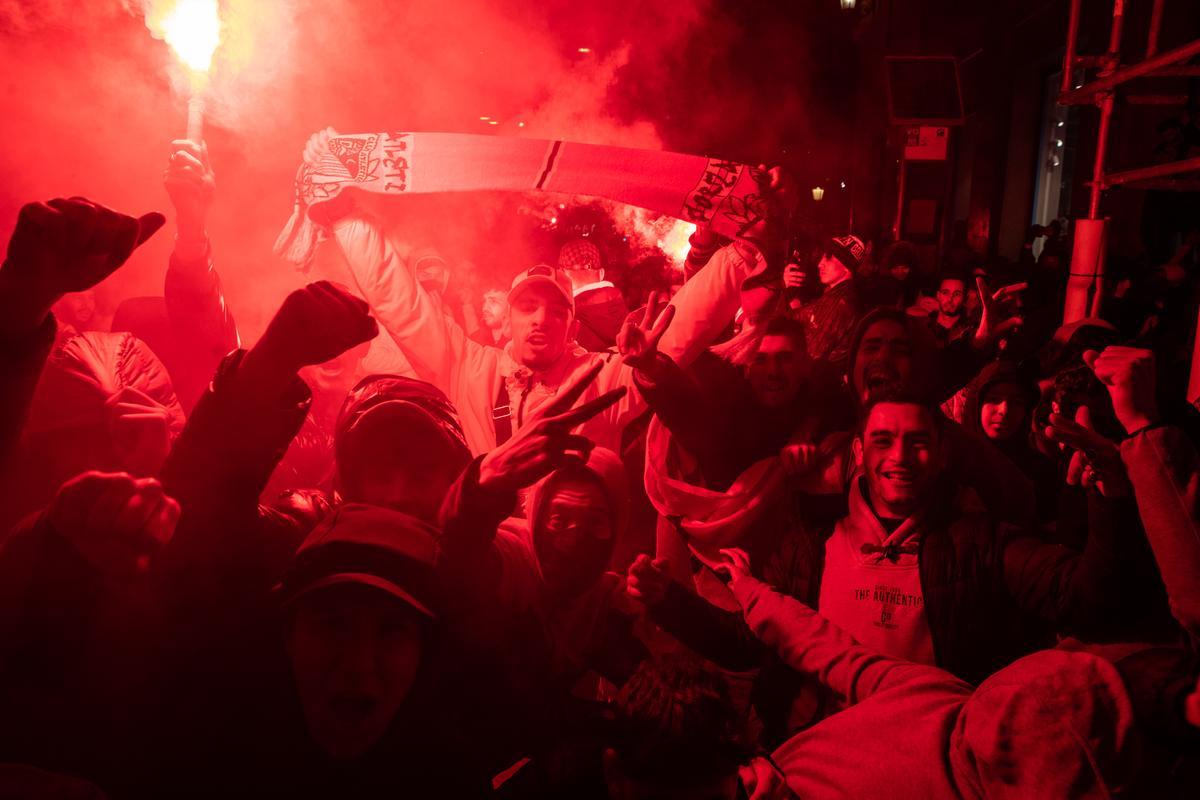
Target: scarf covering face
point(706, 191)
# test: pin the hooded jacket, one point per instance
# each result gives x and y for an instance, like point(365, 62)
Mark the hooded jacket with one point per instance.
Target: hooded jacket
point(1053, 724)
point(491, 561)
point(972, 572)
point(68, 429)
point(1018, 449)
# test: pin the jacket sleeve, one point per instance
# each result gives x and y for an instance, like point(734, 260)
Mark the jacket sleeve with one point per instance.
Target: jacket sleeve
point(708, 302)
point(437, 347)
point(1165, 471)
point(683, 407)
point(1063, 586)
point(216, 470)
point(809, 643)
point(471, 515)
point(703, 307)
point(21, 365)
point(720, 636)
point(201, 324)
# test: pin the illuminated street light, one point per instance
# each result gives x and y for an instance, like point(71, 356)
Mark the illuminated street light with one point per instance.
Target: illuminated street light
point(818, 193)
point(847, 5)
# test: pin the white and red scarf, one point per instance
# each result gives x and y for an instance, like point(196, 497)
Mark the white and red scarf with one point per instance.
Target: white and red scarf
point(706, 191)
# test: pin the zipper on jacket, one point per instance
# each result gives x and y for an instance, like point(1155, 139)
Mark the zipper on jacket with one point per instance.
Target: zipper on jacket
point(521, 405)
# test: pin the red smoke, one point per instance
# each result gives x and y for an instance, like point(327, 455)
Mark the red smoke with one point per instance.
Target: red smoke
point(91, 106)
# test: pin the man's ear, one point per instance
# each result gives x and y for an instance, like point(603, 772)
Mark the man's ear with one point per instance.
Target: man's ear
point(601, 273)
point(857, 448)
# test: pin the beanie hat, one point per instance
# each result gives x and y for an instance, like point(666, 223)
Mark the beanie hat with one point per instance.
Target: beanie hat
point(848, 249)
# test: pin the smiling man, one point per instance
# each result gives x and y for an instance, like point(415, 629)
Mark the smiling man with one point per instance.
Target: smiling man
point(871, 585)
point(906, 572)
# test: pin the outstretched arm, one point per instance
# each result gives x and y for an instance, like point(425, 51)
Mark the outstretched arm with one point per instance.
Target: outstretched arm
point(57, 247)
point(809, 643)
point(436, 347)
point(236, 436)
point(1164, 470)
point(707, 303)
point(203, 327)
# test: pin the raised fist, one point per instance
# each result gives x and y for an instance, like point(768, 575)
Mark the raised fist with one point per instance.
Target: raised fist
point(63, 246)
point(1128, 374)
point(317, 146)
point(314, 324)
point(114, 521)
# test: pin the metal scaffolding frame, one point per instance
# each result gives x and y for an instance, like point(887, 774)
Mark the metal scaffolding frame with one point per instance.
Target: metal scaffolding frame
point(1085, 288)
point(1101, 91)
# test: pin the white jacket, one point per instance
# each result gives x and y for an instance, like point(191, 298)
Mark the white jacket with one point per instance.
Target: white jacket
point(471, 374)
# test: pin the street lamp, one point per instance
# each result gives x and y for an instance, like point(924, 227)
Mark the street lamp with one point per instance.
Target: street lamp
point(819, 192)
point(847, 5)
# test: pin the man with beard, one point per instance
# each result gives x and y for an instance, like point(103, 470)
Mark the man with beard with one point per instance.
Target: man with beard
point(949, 323)
point(493, 314)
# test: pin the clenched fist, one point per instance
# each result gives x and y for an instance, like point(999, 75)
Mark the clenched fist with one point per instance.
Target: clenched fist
point(1129, 375)
point(314, 324)
point(114, 521)
point(70, 245)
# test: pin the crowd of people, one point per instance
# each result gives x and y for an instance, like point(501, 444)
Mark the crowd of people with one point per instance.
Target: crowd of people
point(817, 521)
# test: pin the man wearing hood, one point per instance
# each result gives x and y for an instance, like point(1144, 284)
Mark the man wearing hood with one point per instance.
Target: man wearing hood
point(998, 408)
point(551, 566)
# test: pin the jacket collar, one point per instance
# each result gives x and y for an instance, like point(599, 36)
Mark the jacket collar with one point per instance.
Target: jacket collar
point(861, 526)
point(519, 377)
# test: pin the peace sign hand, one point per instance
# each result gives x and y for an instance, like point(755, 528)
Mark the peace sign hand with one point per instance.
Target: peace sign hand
point(546, 442)
point(638, 343)
point(1000, 313)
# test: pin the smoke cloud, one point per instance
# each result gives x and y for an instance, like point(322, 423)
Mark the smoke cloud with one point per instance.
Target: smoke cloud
point(92, 102)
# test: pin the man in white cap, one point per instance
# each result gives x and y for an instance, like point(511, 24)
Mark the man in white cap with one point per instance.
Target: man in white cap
point(497, 390)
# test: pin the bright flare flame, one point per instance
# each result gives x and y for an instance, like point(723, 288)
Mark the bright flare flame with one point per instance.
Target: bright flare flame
point(675, 241)
point(667, 234)
point(191, 27)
